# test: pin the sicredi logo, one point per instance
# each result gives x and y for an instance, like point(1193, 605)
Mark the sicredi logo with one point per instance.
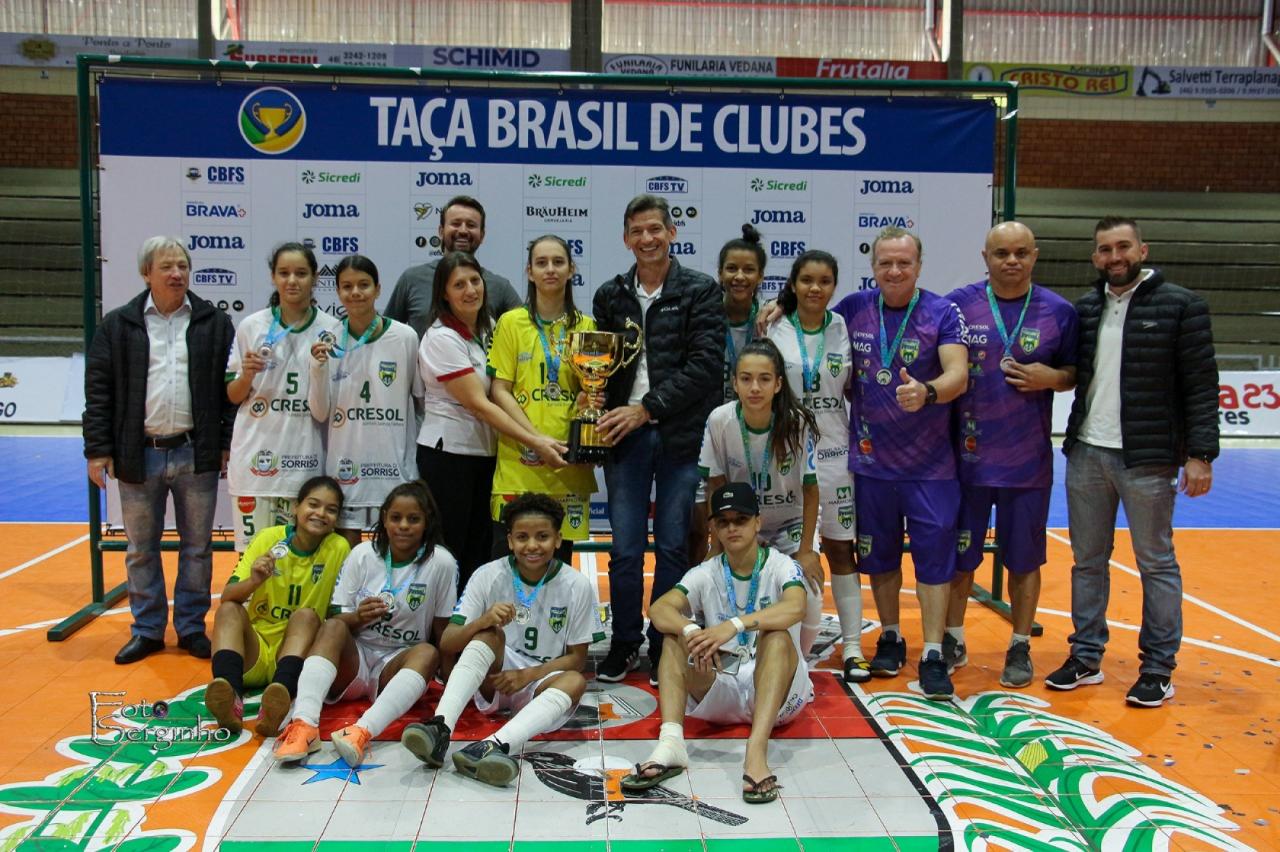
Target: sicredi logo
point(886, 187)
point(272, 120)
point(310, 176)
point(224, 242)
point(762, 184)
point(537, 181)
point(667, 185)
point(201, 210)
point(213, 276)
point(444, 179)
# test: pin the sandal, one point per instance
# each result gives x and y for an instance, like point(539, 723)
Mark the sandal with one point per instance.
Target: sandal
point(754, 795)
point(638, 780)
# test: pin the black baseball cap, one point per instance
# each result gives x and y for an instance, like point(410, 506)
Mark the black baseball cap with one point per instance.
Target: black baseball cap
point(735, 497)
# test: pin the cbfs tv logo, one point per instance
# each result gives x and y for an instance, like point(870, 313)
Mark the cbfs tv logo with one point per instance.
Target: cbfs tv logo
point(272, 120)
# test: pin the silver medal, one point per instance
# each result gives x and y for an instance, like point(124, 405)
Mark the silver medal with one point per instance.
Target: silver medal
point(279, 550)
point(264, 351)
point(552, 392)
point(1007, 361)
point(883, 376)
point(522, 615)
point(389, 599)
point(327, 338)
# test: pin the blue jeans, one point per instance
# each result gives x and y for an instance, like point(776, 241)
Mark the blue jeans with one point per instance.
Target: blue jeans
point(1097, 482)
point(638, 463)
point(143, 505)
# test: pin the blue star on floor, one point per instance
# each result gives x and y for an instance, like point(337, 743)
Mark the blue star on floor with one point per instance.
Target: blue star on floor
point(338, 769)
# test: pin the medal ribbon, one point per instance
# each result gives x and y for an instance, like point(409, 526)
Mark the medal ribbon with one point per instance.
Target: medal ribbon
point(757, 479)
point(526, 601)
point(396, 590)
point(341, 350)
point(1006, 337)
point(886, 352)
point(278, 329)
point(752, 590)
point(810, 372)
point(553, 362)
point(731, 351)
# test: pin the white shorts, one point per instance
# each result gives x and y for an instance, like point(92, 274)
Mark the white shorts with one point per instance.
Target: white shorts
point(516, 701)
point(361, 518)
point(732, 697)
point(252, 514)
point(785, 539)
point(373, 659)
point(836, 515)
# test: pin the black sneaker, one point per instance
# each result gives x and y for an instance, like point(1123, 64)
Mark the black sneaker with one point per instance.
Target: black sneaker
point(1151, 690)
point(427, 742)
point(891, 655)
point(622, 658)
point(1071, 674)
point(954, 652)
point(935, 683)
point(487, 761)
point(1018, 670)
point(654, 660)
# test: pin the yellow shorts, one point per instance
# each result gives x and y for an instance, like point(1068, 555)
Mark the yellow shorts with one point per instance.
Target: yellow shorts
point(577, 513)
point(264, 668)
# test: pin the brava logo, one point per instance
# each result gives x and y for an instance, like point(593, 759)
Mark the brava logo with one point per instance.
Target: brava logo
point(887, 187)
point(200, 210)
point(872, 220)
point(330, 211)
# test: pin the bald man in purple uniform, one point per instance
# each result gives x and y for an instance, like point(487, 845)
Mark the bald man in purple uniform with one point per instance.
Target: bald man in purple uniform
point(1022, 348)
point(910, 362)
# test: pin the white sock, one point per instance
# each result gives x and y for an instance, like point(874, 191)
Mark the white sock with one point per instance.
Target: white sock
point(812, 623)
point(538, 716)
point(470, 670)
point(1019, 637)
point(956, 633)
point(847, 590)
point(318, 674)
point(931, 646)
point(670, 750)
point(886, 629)
point(400, 693)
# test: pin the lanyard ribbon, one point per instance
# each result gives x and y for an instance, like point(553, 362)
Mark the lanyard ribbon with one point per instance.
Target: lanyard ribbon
point(339, 350)
point(1007, 337)
point(396, 590)
point(526, 600)
point(887, 352)
point(278, 329)
point(757, 479)
point(553, 361)
point(731, 350)
point(811, 371)
point(752, 590)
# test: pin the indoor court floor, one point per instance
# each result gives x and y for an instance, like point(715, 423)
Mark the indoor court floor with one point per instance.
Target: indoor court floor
point(863, 768)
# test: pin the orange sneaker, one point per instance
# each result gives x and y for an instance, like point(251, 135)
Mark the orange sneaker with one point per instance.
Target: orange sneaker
point(296, 741)
point(351, 743)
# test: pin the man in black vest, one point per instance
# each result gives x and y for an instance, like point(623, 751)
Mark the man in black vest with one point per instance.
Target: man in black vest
point(1146, 404)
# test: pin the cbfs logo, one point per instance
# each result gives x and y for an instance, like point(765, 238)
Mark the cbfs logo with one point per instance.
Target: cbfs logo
point(667, 185)
point(886, 187)
point(217, 175)
point(272, 120)
point(213, 276)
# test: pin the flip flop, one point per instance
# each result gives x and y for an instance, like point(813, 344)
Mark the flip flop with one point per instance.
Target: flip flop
point(638, 780)
point(754, 795)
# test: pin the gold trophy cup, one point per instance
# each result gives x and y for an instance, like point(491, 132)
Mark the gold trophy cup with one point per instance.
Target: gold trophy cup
point(595, 356)
point(272, 118)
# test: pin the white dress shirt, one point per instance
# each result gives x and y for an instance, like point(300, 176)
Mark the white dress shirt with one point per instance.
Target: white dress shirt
point(168, 409)
point(640, 386)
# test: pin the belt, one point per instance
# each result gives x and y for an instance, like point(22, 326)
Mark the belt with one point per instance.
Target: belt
point(179, 440)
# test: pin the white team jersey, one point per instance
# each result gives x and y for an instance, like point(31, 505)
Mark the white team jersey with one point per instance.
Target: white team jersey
point(277, 444)
point(828, 402)
point(704, 586)
point(423, 592)
point(563, 614)
point(368, 394)
point(780, 492)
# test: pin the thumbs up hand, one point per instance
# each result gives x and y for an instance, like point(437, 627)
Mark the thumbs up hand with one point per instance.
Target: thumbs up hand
point(911, 393)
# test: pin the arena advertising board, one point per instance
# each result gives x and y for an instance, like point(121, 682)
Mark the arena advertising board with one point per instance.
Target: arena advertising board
point(366, 169)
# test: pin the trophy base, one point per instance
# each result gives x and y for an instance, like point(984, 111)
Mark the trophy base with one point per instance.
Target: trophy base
point(585, 446)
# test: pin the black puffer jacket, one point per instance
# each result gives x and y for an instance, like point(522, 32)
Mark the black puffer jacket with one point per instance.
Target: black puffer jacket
point(684, 342)
point(1168, 375)
point(115, 387)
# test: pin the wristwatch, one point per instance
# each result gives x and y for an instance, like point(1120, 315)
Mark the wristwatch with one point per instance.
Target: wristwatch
point(930, 394)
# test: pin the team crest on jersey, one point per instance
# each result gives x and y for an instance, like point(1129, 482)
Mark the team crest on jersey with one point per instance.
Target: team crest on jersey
point(264, 464)
point(864, 545)
point(909, 350)
point(845, 517)
point(417, 594)
point(964, 538)
point(575, 517)
point(559, 615)
point(317, 571)
point(835, 361)
point(1029, 339)
point(784, 466)
point(387, 372)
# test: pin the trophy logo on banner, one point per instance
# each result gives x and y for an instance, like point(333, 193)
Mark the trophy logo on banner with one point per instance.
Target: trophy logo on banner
point(595, 356)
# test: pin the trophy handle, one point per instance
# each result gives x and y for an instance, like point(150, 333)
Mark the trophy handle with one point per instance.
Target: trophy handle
point(631, 348)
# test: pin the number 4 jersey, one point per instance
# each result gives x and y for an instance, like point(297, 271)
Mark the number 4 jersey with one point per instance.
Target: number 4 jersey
point(563, 614)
